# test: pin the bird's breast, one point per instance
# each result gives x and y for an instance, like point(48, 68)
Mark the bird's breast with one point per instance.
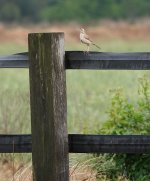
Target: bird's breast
point(81, 36)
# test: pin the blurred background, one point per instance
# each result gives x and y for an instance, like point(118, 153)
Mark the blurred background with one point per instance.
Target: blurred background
point(69, 10)
point(114, 20)
point(115, 25)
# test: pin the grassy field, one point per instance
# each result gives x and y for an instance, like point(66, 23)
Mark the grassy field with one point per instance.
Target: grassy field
point(88, 92)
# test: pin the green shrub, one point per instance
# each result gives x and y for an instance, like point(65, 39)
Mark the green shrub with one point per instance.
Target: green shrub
point(127, 118)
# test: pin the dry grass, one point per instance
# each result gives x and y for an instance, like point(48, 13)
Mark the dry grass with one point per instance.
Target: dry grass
point(20, 172)
point(106, 30)
point(7, 170)
point(82, 172)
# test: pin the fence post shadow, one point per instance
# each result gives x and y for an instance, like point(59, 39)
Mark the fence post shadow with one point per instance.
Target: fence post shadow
point(48, 107)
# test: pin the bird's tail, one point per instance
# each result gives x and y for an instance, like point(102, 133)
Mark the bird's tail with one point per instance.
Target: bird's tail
point(97, 46)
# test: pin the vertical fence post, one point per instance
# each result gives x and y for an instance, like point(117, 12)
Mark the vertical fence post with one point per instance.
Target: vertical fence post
point(48, 107)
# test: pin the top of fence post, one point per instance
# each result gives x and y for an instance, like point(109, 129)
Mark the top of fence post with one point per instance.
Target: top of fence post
point(48, 107)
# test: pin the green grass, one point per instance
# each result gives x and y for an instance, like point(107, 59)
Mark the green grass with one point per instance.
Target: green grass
point(88, 92)
point(10, 48)
point(114, 46)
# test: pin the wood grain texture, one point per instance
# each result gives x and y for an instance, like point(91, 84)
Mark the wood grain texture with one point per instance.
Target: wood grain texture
point(93, 60)
point(48, 107)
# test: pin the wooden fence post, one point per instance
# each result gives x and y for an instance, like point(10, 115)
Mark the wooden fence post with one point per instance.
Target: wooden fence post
point(48, 107)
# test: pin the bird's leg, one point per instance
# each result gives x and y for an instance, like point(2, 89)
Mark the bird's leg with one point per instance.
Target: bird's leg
point(88, 48)
point(85, 52)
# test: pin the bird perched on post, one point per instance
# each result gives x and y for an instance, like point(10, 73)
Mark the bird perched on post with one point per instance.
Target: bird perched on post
point(84, 38)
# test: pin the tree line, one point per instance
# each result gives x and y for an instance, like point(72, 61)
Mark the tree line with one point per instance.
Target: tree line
point(72, 10)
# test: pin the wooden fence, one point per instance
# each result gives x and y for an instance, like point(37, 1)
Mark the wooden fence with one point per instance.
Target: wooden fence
point(50, 143)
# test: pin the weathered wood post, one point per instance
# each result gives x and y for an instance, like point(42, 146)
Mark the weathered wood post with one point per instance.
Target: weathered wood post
point(48, 107)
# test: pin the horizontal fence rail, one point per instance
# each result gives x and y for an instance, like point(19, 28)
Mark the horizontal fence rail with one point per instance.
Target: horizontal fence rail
point(93, 60)
point(15, 143)
point(83, 143)
point(20, 60)
point(109, 144)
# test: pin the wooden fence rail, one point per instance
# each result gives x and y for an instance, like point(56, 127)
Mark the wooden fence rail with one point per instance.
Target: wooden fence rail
point(93, 60)
point(78, 143)
point(50, 145)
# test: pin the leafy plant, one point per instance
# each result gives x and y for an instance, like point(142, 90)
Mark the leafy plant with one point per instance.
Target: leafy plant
point(127, 118)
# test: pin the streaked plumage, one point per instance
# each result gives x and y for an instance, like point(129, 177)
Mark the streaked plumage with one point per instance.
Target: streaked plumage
point(84, 38)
